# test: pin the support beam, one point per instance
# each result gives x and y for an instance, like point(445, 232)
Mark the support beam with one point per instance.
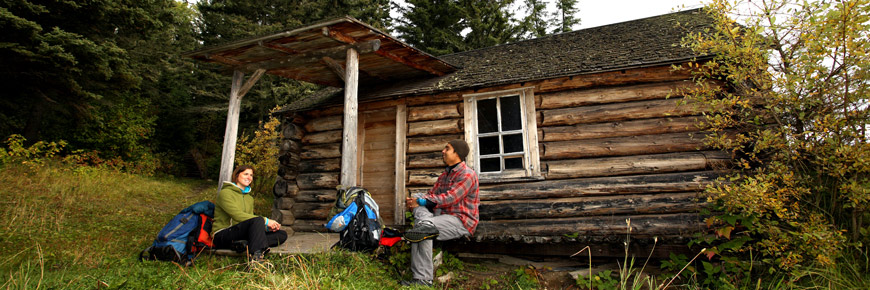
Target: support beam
point(336, 67)
point(315, 56)
point(237, 91)
point(349, 154)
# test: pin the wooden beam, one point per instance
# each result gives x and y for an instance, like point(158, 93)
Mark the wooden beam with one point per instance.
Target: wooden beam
point(338, 36)
point(404, 61)
point(225, 60)
point(401, 143)
point(335, 66)
point(276, 47)
point(251, 81)
point(349, 154)
point(228, 153)
point(338, 52)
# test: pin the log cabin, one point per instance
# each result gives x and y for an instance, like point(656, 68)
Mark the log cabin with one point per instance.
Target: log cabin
point(573, 135)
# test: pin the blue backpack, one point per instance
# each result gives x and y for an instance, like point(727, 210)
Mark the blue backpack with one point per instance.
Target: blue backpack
point(185, 236)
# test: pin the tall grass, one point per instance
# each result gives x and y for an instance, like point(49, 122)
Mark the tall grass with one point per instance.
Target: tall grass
point(65, 227)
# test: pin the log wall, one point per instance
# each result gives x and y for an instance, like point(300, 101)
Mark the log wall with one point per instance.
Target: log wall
point(613, 146)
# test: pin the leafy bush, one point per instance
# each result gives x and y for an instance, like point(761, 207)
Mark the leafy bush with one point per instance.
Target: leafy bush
point(260, 150)
point(34, 154)
point(795, 114)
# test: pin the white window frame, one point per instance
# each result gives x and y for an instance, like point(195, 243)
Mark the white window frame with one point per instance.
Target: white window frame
point(531, 159)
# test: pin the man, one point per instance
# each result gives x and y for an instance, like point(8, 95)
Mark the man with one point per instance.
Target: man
point(448, 211)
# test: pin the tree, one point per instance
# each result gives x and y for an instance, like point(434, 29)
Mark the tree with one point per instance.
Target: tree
point(537, 22)
point(488, 23)
point(796, 115)
point(84, 71)
point(432, 26)
point(565, 11)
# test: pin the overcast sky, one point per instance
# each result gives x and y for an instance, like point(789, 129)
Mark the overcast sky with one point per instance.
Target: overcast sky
point(602, 12)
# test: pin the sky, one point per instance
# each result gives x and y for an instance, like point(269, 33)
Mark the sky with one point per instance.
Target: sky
point(602, 12)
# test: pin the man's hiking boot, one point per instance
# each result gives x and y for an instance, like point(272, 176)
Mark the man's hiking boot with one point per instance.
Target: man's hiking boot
point(423, 230)
point(416, 282)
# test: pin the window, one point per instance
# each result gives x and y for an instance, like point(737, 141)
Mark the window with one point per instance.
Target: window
point(500, 128)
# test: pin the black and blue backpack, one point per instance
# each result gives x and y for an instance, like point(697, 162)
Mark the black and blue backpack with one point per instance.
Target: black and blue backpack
point(359, 224)
point(184, 237)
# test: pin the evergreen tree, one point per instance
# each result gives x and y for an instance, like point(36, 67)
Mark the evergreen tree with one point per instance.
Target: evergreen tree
point(537, 22)
point(86, 71)
point(433, 26)
point(566, 9)
point(488, 23)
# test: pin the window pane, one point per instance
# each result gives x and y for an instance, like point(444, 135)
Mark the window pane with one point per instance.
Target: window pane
point(513, 163)
point(513, 143)
point(510, 113)
point(489, 145)
point(487, 118)
point(490, 164)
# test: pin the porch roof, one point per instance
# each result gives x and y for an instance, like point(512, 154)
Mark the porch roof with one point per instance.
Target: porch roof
point(311, 53)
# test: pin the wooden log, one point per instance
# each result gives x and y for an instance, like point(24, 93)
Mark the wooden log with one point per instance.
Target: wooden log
point(317, 180)
point(415, 191)
point(309, 210)
point(576, 98)
point(633, 184)
point(292, 131)
point(320, 165)
point(639, 164)
point(435, 112)
point(324, 124)
point(321, 151)
point(349, 174)
point(279, 189)
point(621, 129)
point(619, 112)
point(286, 218)
point(632, 76)
point(425, 160)
point(288, 172)
point(289, 159)
point(437, 127)
point(591, 206)
point(307, 225)
point(424, 176)
point(430, 143)
point(641, 226)
point(442, 98)
point(332, 136)
point(284, 203)
point(322, 195)
point(621, 146)
point(289, 146)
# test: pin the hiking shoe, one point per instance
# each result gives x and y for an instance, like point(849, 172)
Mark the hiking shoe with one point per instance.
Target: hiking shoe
point(416, 282)
point(423, 230)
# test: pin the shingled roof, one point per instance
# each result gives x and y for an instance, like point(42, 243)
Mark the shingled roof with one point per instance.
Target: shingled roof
point(633, 44)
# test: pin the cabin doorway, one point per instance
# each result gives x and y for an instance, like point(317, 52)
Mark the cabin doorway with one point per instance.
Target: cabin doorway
point(377, 138)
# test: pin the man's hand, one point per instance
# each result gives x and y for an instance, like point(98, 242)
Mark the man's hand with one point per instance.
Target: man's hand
point(411, 203)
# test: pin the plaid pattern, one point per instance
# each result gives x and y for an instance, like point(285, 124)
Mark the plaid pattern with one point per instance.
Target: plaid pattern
point(456, 193)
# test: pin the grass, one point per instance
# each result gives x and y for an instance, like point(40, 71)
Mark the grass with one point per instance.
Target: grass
point(65, 227)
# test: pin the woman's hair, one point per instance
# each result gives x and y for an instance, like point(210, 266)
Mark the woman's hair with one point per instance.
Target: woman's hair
point(239, 170)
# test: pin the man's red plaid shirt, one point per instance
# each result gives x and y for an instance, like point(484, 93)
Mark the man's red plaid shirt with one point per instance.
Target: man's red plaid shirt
point(456, 193)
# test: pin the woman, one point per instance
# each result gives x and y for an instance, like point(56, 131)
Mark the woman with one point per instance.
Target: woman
point(234, 219)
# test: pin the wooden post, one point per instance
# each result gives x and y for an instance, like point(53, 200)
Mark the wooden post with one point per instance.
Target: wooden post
point(349, 167)
point(228, 154)
point(237, 91)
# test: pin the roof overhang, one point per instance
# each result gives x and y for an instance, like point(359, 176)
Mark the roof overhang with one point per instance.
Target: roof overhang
point(315, 53)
